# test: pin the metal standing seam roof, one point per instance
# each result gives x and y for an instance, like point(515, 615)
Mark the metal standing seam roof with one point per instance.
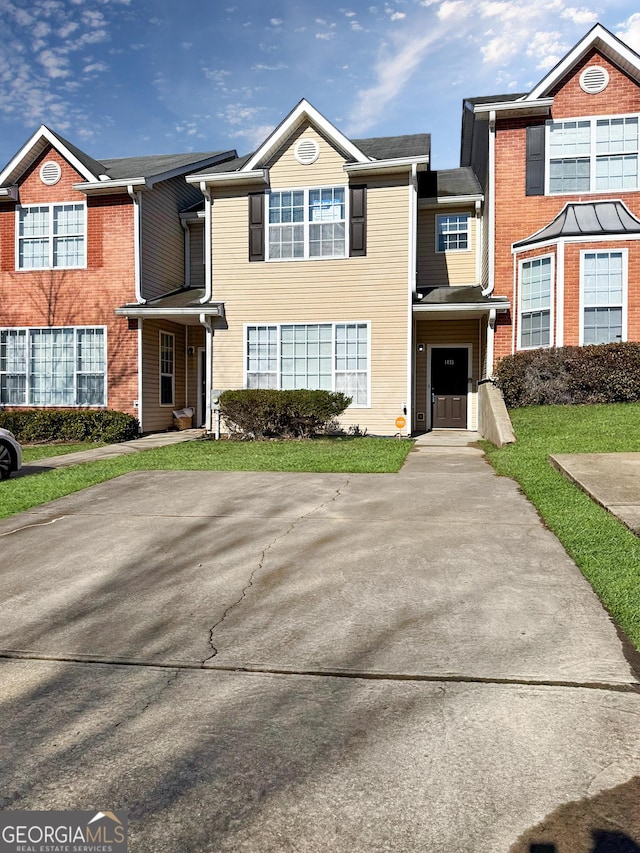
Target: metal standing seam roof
point(586, 219)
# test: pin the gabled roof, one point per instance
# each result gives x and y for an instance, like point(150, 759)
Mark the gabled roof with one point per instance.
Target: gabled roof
point(586, 219)
point(99, 174)
point(600, 39)
point(377, 153)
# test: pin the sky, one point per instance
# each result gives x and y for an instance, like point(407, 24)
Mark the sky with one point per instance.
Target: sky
point(124, 78)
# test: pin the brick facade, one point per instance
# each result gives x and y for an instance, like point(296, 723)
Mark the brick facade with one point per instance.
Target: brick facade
point(518, 216)
point(77, 297)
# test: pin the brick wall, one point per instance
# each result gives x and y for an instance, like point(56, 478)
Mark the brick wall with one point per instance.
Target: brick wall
point(518, 216)
point(79, 297)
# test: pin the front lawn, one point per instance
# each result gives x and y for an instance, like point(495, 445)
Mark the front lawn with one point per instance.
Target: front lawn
point(607, 552)
point(326, 455)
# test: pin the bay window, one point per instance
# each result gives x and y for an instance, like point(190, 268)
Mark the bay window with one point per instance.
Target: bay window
point(53, 367)
point(329, 356)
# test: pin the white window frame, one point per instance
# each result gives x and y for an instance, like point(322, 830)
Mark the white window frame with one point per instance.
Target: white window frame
point(29, 405)
point(440, 218)
point(625, 289)
point(552, 300)
point(162, 374)
point(51, 238)
point(593, 156)
point(306, 223)
point(334, 371)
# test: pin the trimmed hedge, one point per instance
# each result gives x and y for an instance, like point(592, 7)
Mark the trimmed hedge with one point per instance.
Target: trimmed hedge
point(39, 426)
point(262, 413)
point(603, 373)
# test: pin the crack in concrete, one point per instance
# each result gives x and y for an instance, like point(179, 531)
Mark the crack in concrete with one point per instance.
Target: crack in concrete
point(260, 565)
point(35, 524)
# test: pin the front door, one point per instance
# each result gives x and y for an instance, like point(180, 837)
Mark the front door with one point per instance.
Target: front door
point(449, 386)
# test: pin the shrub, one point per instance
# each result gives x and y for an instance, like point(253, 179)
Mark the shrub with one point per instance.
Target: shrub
point(38, 426)
point(262, 413)
point(602, 373)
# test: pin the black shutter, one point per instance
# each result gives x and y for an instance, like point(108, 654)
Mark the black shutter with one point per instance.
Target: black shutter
point(358, 222)
point(256, 226)
point(535, 159)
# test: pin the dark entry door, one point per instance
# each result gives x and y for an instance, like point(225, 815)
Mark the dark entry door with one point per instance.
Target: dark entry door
point(449, 375)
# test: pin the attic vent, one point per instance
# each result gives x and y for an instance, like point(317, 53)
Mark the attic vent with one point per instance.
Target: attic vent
point(307, 152)
point(594, 79)
point(50, 173)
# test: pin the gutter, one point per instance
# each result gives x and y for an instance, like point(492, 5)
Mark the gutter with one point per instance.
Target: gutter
point(491, 247)
point(252, 177)
point(10, 193)
point(418, 163)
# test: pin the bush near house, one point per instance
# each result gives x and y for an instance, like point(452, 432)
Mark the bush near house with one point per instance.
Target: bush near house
point(262, 413)
point(36, 426)
point(603, 373)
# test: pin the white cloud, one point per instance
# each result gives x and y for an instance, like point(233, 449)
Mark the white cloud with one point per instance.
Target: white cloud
point(356, 27)
point(453, 9)
point(547, 48)
point(580, 16)
point(325, 36)
point(398, 16)
point(235, 114)
point(255, 135)
point(54, 64)
point(629, 31)
point(93, 67)
point(276, 22)
point(261, 67)
point(348, 13)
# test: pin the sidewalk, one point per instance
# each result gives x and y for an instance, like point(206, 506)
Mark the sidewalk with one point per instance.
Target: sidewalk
point(147, 442)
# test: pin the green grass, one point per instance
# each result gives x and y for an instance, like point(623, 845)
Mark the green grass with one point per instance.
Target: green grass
point(607, 553)
point(339, 455)
point(42, 451)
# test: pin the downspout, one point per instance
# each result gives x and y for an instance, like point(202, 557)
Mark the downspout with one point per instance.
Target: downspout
point(479, 241)
point(411, 289)
point(208, 247)
point(491, 330)
point(206, 322)
point(491, 248)
point(136, 197)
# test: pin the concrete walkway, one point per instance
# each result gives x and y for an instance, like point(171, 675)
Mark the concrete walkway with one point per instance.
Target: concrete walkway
point(109, 451)
point(268, 662)
point(610, 479)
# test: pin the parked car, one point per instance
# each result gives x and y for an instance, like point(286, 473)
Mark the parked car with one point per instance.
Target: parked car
point(10, 454)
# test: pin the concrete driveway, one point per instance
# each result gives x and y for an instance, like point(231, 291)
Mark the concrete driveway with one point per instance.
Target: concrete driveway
point(299, 662)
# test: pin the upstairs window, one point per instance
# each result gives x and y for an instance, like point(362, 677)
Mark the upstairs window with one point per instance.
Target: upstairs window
point(535, 303)
point(51, 236)
point(452, 232)
point(603, 291)
point(307, 223)
point(167, 368)
point(591, 155)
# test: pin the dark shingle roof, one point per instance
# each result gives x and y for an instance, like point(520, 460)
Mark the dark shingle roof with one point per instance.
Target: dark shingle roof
point(94, 166)
point(392, 147)
point(228, 166)
point(158, 164)
point(496, 99)
point(444, 183)
point(591, 218)
point(453, 295)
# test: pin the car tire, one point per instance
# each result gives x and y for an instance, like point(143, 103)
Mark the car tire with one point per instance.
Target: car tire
point(7, 462)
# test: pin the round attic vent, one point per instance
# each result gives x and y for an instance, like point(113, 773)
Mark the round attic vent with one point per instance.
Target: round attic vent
point(50, 173)
point(594, 79)
point(307, 152)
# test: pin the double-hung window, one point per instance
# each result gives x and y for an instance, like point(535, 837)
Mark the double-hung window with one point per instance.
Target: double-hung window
point(51, 236)
point(593, 154)
point(307, 223)
point(535, 303)
point(452, 232)
point(329, 356)
point(167, 368)
point(603, 297)
point(53, 367)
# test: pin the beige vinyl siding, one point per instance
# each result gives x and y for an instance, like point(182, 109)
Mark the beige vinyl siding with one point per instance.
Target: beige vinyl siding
point(445, 333)
point(196, 254)
point(371, 289)
point(285, 171)
point(154, 416)
point(444, 268)
point(163, 236)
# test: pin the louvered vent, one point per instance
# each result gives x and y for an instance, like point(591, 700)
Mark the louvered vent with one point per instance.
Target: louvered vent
point(307, 152)
point(594, 79)
point(50, 173)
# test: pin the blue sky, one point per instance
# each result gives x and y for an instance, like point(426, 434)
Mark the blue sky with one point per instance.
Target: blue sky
point(127, 77)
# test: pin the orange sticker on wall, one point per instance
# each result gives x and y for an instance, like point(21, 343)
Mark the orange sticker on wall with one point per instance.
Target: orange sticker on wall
point(401, 422)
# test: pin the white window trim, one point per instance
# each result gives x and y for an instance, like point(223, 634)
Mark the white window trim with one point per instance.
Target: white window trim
point(29, 405)
point(305, 223)
point(592, 155)
point(552, 301)
point(440, 216)
point(333, 324)
point(172, 404)
point(50, 266)
point(625, 289)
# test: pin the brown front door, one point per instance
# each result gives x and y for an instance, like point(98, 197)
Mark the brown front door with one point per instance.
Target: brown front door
point(449, 385)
